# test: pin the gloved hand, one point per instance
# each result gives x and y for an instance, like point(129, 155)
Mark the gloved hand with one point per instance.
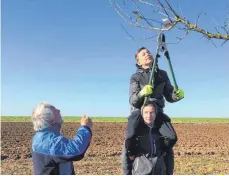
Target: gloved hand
point(147, 90)
point(179, 94)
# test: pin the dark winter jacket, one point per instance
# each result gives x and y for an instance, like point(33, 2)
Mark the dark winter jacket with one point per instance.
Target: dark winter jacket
point(149, 150)
point(53, 153)
point(162, 88)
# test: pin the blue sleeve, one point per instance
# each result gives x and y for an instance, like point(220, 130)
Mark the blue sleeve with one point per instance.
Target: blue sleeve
point(72, 149)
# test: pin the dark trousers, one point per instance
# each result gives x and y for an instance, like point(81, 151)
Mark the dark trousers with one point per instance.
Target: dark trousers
point(169, 162)
point(163, 123)
point(126, 162)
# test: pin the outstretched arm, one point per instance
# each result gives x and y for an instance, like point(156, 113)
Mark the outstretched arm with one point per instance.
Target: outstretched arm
point(72, 149)
point(169, 92)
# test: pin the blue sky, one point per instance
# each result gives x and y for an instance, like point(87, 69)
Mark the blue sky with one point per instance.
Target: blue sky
point(75, 55)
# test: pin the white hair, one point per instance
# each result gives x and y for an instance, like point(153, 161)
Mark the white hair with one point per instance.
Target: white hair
point(42, 116)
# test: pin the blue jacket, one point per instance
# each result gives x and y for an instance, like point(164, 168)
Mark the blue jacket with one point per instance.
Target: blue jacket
point(53, 153)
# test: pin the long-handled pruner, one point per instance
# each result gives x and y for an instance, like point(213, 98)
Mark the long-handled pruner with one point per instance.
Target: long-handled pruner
point(166, 53)
point(151, 79)
point(163, 48)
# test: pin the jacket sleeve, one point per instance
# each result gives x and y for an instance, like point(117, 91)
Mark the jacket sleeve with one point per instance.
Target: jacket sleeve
point(169, 135)
point(134, 89)
point(169, 91)
point(72, 149)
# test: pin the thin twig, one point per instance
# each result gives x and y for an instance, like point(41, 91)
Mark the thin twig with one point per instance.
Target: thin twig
point(180, 38)
point(224, 42)
point(216, 27)
point(225, 30)
point(213, 42)
point(171, 9)
point(181, 11)
point(152, 5)
point(198, 17)
point(127, 33)
point(134, 23)
point(165, 11)
point(148, 38)
point(142, 15)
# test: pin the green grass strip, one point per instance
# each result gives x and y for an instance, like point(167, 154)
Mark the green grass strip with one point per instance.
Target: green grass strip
point(117, 119)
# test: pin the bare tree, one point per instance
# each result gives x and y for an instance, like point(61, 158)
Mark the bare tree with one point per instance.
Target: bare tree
point(161, 16)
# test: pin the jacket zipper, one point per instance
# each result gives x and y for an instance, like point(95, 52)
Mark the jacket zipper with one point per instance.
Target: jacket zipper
point(152, 143)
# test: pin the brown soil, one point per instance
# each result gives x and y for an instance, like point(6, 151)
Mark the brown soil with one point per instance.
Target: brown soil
point(201, 149)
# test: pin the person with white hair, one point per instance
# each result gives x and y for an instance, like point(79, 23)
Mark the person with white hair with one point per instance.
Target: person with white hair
point(53, 153)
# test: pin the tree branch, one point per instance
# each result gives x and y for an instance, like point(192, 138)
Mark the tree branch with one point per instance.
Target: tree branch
point(164, 8)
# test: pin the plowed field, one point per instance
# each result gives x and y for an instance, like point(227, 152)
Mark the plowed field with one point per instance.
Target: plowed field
point(201, 148)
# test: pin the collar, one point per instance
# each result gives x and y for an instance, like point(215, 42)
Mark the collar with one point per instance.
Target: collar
point(141, 70)
point(53, 128)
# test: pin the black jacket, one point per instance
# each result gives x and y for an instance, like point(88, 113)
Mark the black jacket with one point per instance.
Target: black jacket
point(149, 149)
point(162, 88)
